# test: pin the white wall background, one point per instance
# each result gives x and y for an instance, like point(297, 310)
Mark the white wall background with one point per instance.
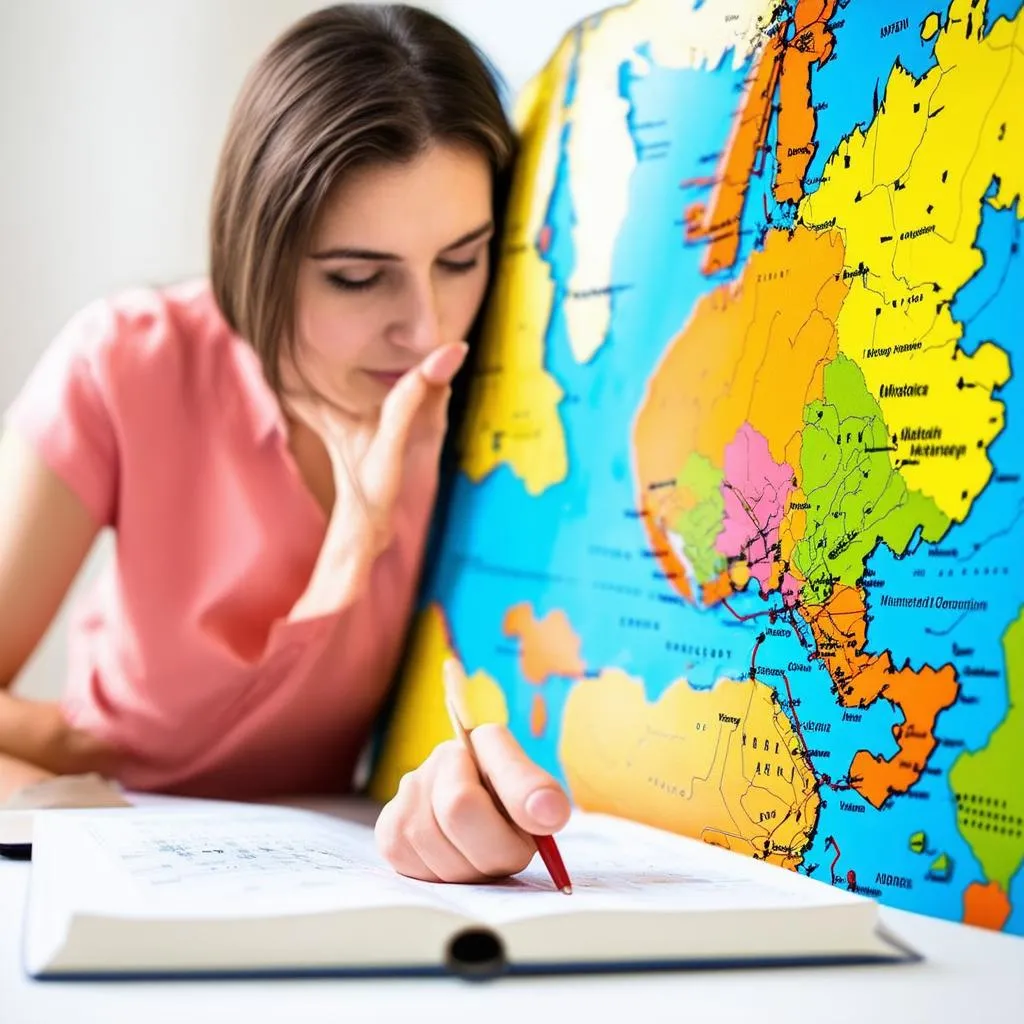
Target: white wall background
point(111, 114)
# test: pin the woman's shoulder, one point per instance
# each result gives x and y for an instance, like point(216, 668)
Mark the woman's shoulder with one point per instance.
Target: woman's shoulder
point(165, 325)
point(120, 370)
point(169, 343)
point(140, 358)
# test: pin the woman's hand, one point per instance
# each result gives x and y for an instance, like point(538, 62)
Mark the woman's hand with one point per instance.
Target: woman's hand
point(37, 733)
point(442, 825)
point(370, 464)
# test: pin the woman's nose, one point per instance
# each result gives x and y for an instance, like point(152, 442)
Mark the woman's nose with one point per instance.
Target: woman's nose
point(422, 333)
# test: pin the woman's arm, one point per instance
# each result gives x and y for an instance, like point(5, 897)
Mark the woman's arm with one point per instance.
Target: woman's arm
point(46, 533)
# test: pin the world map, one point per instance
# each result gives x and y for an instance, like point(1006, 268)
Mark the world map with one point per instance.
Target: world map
point(737, 543)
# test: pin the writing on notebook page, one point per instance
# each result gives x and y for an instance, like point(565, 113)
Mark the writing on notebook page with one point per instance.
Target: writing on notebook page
point(280, 859)
point(251, 853)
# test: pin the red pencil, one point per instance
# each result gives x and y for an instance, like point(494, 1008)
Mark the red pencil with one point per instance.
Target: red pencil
point(548, 850)
point(546, 845)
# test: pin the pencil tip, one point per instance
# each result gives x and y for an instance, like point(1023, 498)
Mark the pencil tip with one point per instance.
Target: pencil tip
point(567, 889)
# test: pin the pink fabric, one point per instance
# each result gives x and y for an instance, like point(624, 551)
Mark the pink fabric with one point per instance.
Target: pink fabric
point(160, 419)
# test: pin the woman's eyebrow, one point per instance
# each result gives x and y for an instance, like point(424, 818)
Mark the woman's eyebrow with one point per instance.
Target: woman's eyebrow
point(353, 254)
point(373, 254)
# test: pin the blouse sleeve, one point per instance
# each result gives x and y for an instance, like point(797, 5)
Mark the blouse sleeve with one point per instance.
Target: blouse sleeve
point(63, 410)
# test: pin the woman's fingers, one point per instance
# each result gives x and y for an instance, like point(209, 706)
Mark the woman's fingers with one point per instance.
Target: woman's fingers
point(532, 797)
point(371, 463)
point(440, 367)
point(410, 838)
point(421, 394)
point(415, 410)
point(442, 825)
point(466, 814)
point(391, 836)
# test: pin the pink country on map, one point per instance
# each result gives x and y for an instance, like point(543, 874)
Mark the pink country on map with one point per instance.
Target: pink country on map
point(755, 489)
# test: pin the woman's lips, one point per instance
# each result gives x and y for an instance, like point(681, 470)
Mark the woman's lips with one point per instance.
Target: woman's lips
point(389, 378)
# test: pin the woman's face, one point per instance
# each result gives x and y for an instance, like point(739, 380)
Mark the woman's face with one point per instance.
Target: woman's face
point(397, 265)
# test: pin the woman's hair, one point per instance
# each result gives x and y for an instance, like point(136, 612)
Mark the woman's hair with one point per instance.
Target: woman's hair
point(347, 86)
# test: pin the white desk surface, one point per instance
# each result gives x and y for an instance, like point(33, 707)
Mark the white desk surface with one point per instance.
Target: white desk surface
point(967, 974)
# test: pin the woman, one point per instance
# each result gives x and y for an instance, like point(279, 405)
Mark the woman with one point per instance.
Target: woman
point(266, 447)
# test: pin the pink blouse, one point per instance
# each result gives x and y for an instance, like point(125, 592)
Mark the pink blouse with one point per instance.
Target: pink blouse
point(160, 419)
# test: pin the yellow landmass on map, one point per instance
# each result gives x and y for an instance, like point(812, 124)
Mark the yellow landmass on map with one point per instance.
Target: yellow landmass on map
point(512, 417)
point(420, 721)
point(724, 764)
point(906, 196)
point(931, 26)
point(602, 153)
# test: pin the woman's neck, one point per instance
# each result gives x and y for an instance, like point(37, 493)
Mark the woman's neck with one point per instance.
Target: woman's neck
point(310, 454)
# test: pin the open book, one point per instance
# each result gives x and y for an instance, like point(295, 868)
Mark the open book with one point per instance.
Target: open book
point(239, 889)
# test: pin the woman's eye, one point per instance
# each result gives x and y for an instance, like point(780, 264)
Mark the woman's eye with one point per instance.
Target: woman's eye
point(353, 284)
point(459, 266)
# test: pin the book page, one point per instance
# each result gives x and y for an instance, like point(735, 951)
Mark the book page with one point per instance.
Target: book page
point(618, 865)
point(263, 861)
point(257, 862)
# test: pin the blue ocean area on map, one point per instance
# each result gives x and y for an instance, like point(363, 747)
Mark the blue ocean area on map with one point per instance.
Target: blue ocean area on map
point(761, 212)
point(1001, 9)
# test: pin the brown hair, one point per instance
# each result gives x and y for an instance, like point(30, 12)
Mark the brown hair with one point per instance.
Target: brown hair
point(346, 86)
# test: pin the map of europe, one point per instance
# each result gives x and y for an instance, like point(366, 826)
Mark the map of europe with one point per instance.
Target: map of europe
point(737, 542)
